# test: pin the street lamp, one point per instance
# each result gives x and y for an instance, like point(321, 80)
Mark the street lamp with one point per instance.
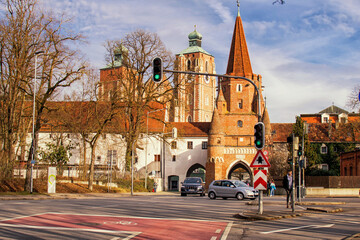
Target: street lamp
point(33, 124)
point(147, 137)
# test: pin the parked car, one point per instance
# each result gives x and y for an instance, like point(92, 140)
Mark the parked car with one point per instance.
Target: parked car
point(193, 185)
point(231, 189)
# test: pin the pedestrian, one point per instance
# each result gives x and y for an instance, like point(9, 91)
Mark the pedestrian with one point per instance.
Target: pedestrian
point(155, 186)
point(288, 186)
point(272, 188)
point(268, 188)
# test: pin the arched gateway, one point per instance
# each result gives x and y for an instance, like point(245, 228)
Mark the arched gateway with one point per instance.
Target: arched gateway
point(241, 171)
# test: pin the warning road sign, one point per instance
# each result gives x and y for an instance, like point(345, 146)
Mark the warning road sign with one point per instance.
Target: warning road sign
point(260, 179)
point(260, 160)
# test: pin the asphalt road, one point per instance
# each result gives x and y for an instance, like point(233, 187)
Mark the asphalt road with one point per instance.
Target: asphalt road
point(168, 217)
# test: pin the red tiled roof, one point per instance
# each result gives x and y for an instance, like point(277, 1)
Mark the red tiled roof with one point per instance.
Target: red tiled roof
point(280, 131)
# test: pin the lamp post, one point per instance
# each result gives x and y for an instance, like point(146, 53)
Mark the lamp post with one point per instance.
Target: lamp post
point(147, 137)
point(33, 124)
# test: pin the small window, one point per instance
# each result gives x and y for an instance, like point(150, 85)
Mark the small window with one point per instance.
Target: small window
point(189, 145)
point(345, 171)
point(241, 104)
point(157, 157)
point(173, 145)
point(323, 149)
point(189, 119)
point(98, 159)
point(174, 158)
point(351, 171)
point(240, 124)
point(204, 145)
point(326, 119)
point(239, 87)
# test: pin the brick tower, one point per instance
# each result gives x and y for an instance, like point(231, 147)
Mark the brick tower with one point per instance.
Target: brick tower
point(231, 137)
point(195, 95)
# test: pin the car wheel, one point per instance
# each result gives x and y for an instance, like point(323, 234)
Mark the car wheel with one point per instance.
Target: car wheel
point(224, 198)
point(212, 195)
point(239, 196)
point(183, 194)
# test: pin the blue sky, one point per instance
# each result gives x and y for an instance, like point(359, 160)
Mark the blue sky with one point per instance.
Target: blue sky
point(307, 51)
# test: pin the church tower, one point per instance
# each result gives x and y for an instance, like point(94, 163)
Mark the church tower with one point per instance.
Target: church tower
point(195, 95)
point(232, 147)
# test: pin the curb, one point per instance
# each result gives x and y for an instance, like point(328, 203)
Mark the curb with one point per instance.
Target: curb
point(79, 196)
point(325, 210)
point(252, 216)
point(255, 202)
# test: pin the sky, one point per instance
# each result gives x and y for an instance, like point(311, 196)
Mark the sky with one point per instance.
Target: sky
point(308, 52)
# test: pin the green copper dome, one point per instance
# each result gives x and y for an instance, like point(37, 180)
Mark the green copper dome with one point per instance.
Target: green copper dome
point(195, 35)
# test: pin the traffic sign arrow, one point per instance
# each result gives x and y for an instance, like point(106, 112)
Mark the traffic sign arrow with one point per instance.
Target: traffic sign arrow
point(260, 179)
point(260, 160)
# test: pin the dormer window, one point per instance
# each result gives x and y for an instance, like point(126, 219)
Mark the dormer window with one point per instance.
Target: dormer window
point(325, 118)
point(343, 118)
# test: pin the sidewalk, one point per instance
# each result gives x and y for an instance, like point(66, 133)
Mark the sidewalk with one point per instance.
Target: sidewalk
point(273, 210)
point(37, 196)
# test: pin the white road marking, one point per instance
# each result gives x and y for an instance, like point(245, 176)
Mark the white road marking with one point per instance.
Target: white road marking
point(213, 238)
point(295, 228)
point(218, 231)
point(226, 231)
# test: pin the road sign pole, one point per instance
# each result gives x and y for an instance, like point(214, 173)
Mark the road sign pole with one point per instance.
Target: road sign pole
point(261, 208)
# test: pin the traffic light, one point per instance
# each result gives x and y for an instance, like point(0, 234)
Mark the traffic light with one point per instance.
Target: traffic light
point(157, 70)
point(259, 135)
point(290, 161)
point(300, 151)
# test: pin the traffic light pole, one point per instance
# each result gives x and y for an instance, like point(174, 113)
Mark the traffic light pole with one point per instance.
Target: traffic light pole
point(260, 210)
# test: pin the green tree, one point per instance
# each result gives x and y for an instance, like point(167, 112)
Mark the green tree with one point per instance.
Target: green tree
point(56, 154)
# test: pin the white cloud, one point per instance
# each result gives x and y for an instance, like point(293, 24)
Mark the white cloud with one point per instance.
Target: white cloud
point(305, 50)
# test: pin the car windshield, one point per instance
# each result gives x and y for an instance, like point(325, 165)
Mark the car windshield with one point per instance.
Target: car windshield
point(238, 183)
point(192, 180)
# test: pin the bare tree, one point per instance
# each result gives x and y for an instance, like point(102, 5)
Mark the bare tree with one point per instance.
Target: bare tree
point(353, 101)
point(26, 31)
point(88, 117)
point(130, 69)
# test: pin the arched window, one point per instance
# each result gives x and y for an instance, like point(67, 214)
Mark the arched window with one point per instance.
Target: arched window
point(189, 119)
point(189, 64)
point(240, 124)
point(206, 66)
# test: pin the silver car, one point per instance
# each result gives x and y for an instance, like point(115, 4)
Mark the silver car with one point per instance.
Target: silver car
point(231, 189)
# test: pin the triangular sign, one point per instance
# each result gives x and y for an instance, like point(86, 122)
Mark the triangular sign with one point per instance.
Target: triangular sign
point(260, 160)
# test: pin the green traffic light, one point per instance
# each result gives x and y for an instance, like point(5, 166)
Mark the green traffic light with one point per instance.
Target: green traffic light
point(157, 76)
point(258, 143)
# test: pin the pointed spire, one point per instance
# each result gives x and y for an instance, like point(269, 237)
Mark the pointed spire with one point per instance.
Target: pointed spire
point(239, 61)
point(216, 125)
point(266, 121)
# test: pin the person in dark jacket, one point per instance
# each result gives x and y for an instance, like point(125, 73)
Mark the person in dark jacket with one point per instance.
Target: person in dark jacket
point(288, 186)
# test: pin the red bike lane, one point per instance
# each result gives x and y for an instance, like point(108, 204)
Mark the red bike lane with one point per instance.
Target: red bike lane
point(136, 228)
